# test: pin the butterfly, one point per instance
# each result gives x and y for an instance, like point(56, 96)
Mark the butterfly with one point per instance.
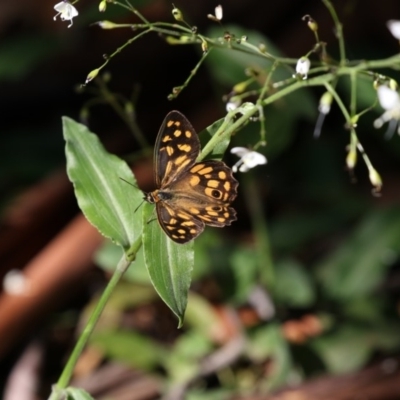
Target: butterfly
point(189, 194)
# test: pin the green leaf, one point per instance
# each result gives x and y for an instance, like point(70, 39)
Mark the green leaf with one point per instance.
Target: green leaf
point(21, 54)
point(107, 202)
point(293, 285)
point(169, 264)
point(129, 347)
point(204, 136)
point(345, 350)
point(360, 264)
point(265, 343)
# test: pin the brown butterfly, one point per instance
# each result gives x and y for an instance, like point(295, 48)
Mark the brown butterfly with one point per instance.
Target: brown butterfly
point(189, 195)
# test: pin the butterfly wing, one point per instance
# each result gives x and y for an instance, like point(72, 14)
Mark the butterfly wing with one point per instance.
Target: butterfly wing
point(176, 149)
point(178, 224)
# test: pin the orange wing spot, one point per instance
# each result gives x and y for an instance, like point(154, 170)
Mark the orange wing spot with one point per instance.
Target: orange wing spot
point(187, 223)
point(177, 133)
point(194, 180)
point(175, 237)
point(180, 159)
point(221, 219)
point(226, 215)
point(222, 175)
point(213, 183)
point(206, 218)
point(170, 123)
point(184, 147)
point(188, 134)
point(206, 170)
point(194, 211)
point(170, 150)
point(173, 221)
point(183, 216)
point(181, 231)
point(178, 123)
point(170, 228)
point(196, 168)
point(166, 138)
point(227, 186)
point(208, 176)
point(193, 231)
point(226, 195)
point(212, 213)
point(184, 164)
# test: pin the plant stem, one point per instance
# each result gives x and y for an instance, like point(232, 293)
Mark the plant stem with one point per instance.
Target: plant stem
point(66, 374)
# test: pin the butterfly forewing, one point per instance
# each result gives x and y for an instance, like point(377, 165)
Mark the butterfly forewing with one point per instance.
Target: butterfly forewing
point(189, 195)
point(177, 147)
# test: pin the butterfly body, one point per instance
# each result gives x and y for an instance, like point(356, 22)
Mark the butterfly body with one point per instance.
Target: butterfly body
point(189, 195)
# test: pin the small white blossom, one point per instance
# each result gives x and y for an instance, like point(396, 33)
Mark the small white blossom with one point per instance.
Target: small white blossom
point(218, 12)
point(389, 100)
point(248, 159)
point(394, 28)
point(66, 11)
point(302, 67)
point(233, 104)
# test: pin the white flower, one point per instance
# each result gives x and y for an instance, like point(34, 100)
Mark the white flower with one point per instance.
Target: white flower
point(66, 11)
point(302, 67)
point(218, 12)
point(248, 159)
point(389, 100)
point(233, 104)
point(394, 28)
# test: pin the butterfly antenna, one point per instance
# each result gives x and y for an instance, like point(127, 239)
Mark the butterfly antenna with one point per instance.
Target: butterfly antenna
point(137, 208)
point(129, 183)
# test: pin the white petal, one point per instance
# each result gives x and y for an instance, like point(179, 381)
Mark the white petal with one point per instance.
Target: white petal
point(240, 151)
point(67, 10)
point(253, 158)
point(388, 98)
point(218, 12)
point(394, 28)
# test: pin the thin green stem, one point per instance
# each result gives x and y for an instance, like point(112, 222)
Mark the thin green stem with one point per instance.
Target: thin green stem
point(130, 122)
point(353, 94)
point(339, 30)
point(177, 90)
point(84, 337)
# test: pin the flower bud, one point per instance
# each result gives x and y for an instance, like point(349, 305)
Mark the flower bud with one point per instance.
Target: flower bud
point(325, 103)
point(103, 5)
point(177, 14)
point(375, 179)
point(351, 158)
point(107, 25)
point(92, 75)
